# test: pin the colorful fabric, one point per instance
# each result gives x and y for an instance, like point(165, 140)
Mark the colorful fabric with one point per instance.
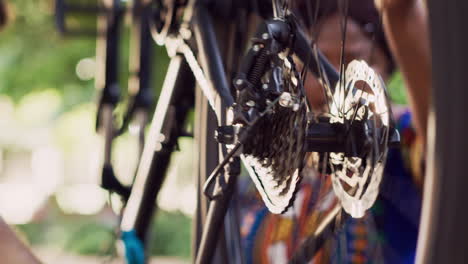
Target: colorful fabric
point(387, 234)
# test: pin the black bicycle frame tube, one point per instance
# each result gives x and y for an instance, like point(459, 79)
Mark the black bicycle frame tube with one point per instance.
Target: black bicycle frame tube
point(212, 64)
point(141, 47)
point(140, 59)
point(107, 54)
point(212, 52)
point(211, 61)
point(210, 55)
point(216, 215)
point(62, 8)
point(303, 48)
point(107, 57)
point(204, 164)
point(174, 102)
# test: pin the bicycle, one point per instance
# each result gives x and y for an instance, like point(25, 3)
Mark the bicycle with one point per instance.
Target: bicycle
point(182, 26)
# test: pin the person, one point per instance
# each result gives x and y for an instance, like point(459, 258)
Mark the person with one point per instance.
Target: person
point(406, 27)
point(12, 249)
point(389, 232)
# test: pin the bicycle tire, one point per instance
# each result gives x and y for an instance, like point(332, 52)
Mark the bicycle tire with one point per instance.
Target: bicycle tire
point(443, 231)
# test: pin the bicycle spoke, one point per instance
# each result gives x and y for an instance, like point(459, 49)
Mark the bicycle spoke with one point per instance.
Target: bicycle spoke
point(327, 93)
point(323, 174)
point(371, 55)
point(357, 105)
point(280, 8)
point(296, 233)
point(343, 7)
point(285, 6)
point(324, 81)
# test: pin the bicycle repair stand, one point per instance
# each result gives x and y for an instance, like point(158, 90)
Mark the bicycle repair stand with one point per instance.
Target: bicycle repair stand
point(110, 15)
point(139, 83)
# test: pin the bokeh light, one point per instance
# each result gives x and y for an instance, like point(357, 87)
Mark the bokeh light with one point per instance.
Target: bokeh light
point(19, 201)
point(84, 199)
point(85, 69)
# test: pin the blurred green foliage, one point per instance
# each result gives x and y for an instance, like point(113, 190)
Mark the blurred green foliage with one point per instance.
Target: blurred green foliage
point(396, 89)
point(34, 56)
point(171, 235)
point(88, 235)
point(37, 66)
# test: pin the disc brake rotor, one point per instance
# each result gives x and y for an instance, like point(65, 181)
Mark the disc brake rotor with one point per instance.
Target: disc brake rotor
point(362, 101)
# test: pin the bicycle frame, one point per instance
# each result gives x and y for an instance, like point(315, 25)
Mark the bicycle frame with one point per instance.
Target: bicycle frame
point(176, 88)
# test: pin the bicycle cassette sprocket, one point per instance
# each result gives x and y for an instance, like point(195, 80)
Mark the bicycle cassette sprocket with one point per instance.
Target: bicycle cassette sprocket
point(274, 152)
point(360, 98)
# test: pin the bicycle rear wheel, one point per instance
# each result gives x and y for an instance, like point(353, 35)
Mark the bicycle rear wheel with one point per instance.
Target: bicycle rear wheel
point(317, 204)
point(277, 237)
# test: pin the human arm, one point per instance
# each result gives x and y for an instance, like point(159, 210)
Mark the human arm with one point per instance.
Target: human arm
point(406, 28)
point(12, 250)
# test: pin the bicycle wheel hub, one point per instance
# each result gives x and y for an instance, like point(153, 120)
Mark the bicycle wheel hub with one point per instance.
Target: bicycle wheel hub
point(357, 173)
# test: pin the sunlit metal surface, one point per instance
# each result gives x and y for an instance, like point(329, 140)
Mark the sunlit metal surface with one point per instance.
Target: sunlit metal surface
point(276, 169)
point(133, 203)
point(360, 97)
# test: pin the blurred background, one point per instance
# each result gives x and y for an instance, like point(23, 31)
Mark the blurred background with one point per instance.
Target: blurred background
point(50, 154)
